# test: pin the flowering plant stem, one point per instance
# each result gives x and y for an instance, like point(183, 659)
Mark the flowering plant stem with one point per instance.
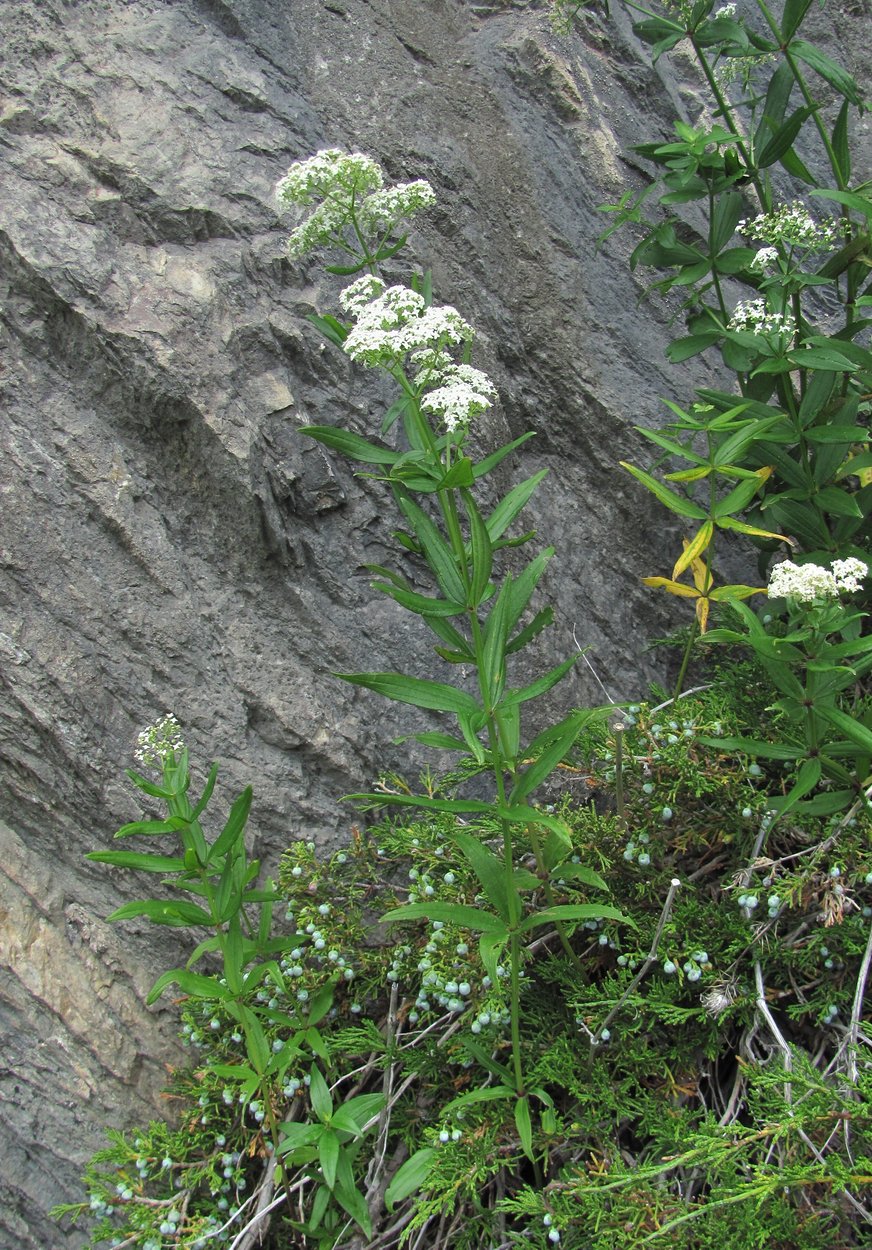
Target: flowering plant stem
point(478, 620)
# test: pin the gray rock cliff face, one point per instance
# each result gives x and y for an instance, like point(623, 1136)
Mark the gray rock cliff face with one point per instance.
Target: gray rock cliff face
point(170, 542)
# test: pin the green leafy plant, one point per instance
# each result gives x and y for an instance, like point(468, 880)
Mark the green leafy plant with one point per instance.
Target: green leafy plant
point(478, 621)
point(795, 438)
point(519, 1062)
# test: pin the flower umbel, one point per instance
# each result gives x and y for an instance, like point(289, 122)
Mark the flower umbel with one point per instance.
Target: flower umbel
point(397, 321)
point(158, 741)
point(792, 226)
point(808, 582)
point(347, 191)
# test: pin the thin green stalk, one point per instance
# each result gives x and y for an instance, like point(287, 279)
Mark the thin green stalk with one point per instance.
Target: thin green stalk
point(685, 659)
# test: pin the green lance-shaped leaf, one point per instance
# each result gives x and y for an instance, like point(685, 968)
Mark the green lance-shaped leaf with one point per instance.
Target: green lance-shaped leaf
point(353, 1203)
point(490, 462)
point(207, 793)
point(142, 862)
point(481, 550)
point(421, 605)
point(462, 914)
point(574, 911)
point(727, 211)
point(234, 955)
point(580, 873)
point(543, 684)
point(806, 779)
point(550, 749)
point(490, 1093)
point(792, 17)
point(149, 787)
point(177, 914)
point(492, 662)
point(740, 496)
point(832, 73)
point(152, 828)
point(755, 748)
point(417, 691)
point(410, 1177)
point(524, 1125)
point(511, 504)
point(852, 728)
point(523, 585)
point(328, 1156)
point(841, 145)
point(332, 329)
point(235, 826)
point(354, 1114)
point(671, 445)
point(459, 475)
point(319, 1094)
point(675, 503)
point(351, 445)
point(490, 948)
point(471, 727)
point(436, 550)
point(783, 139)
point(491, 875)
point(190, 983)
point(689, 345)
point(540, 621)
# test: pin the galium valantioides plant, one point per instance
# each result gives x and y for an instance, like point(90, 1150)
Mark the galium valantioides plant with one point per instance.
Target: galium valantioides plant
point(777, 281)
point(479, 622)
point(798, 341)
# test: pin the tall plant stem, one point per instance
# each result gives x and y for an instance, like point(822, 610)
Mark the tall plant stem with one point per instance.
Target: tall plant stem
point(685, 659)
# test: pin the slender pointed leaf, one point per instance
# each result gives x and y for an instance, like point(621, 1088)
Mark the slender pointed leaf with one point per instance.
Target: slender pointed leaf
point(410, 1176)
point(675, 503)
point(574, 911)
point(461, 914)
point(143, 862)
point(190, 983)
point(417, 691)
point(351, 445)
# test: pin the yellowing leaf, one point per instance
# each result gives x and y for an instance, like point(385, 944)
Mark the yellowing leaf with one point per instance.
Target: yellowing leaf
point(694, 548)
point(674, 588)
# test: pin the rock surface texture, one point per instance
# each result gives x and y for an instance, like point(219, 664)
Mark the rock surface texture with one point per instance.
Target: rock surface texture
point(169, 542)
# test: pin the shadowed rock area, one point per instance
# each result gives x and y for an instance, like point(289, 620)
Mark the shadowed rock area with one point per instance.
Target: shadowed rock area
point(168, 541)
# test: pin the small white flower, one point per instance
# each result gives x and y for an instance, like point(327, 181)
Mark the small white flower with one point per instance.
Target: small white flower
point(398, 322)
point(765, 261)
point(849, 573)
point(726, 10)
point(158, 742)
point(793, 226)
point(753, 317)
point(355, 297)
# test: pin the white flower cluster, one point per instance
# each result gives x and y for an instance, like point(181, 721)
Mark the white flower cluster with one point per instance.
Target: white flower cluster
point(380, 210)
point(753, 317)
point(849, 573)
point(397, 321)
point(765, 261)
point(345, 186)
point(726, 10)
point(158, 741)
point(807, 582)
point(463, 392)
point(792, 225)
